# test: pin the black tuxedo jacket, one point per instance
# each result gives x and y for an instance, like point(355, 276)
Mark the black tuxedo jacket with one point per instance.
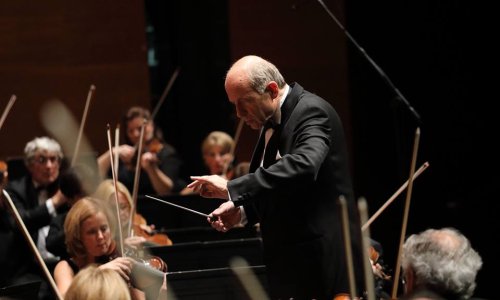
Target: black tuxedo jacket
point(295, 199)
point(20, 260)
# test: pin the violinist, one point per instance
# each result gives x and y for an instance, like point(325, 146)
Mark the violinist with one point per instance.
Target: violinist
point(216, 151)
point(89, 240)
point(160, 164)
point(106, 192)
point(38, 199)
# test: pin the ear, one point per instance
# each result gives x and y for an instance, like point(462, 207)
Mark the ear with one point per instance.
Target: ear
point(273, 89)
point(409, 277)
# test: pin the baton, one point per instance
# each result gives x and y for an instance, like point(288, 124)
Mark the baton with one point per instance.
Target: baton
point(212, 218)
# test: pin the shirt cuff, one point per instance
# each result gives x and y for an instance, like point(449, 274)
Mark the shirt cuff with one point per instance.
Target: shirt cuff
point(50, 207)
point(244, 219)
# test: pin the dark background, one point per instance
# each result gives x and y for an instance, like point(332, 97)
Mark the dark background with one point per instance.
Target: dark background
point(431, 51)
point(437, 53)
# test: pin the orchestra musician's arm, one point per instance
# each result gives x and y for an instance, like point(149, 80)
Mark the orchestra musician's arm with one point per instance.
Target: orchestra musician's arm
point(63, 276)
point(125, 152)
point(162, 184)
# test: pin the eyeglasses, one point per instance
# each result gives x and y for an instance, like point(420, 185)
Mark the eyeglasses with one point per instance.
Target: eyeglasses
point(43, 159)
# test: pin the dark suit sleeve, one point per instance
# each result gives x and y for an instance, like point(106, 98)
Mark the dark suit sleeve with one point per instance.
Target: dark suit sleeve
point(304, 145)
point(55, 239)
point(34, 215)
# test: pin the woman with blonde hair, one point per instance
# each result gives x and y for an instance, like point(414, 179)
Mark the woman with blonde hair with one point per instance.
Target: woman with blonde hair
point(89, 240)
point(141, 231)
point(217, 154)
point(97, 283)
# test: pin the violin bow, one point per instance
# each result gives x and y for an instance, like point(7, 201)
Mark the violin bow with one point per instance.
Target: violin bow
point(348, 246)
point(135, 191)
point(365, 237)
point(82, 124)
point(394, 196)
point(117, 144)
point(247, 278)
point(233, 147)
point(7, 109)
point(406, 213)
point(32, 245)
point(116, 190)
point(165, 92)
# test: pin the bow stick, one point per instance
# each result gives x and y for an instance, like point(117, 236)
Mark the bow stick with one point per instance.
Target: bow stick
point(32, 245)
point(393, 197)
point(82, 124)
point(406, 213)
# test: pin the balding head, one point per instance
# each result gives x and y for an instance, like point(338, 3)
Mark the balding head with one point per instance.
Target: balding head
point(443, 261)
point(254, 86)
point(254, 71)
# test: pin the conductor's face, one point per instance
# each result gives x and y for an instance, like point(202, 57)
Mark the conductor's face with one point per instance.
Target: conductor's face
point(252, 107)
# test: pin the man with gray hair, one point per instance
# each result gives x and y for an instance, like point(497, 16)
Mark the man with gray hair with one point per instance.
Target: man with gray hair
point(441, 261)
point(38, 199)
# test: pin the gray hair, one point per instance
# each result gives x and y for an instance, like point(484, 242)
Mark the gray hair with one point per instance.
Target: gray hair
point(443, 261)
point(41, 144)
point(261, 72)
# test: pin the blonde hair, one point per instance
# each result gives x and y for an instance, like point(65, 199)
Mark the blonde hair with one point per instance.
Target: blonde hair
point(79, 212)
point(106, 189)
point(217, 138)
point(95, 283)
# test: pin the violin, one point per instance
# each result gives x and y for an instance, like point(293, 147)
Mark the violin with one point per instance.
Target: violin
point(151, 261)
point(150, 235)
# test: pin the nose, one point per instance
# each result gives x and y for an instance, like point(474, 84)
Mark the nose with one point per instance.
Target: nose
point(100, 234)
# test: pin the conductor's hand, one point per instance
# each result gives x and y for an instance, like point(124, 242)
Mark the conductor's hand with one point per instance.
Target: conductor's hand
point(227, 216)
point(211, 186)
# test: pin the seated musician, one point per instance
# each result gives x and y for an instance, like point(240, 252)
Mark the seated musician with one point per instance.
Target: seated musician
point(440, 262)
point(160, 164)
point(216, 150)
point(38, 199)
point(88, 231)
point(97, 283)
point(140, 228)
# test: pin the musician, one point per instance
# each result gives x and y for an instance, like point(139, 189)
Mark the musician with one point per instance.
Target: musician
point(216, 150)
point(292, 187)
point(38, 199)
point(88, 235)
point(97, 283)
point(160, 164)
point(440, 261)
point(140, 228)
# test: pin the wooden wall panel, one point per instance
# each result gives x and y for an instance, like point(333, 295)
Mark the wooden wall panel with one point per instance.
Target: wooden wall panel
point(57, 49)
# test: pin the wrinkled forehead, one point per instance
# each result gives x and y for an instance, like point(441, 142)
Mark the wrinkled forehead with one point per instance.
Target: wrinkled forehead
point(45, 152)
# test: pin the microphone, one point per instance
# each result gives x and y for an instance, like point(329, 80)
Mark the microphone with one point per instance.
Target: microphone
point(379, 70)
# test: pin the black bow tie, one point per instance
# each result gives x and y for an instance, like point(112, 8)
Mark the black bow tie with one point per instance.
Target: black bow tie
point(270, 124)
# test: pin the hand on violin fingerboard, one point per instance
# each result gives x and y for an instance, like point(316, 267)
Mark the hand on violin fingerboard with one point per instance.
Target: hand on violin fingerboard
point(148, 160)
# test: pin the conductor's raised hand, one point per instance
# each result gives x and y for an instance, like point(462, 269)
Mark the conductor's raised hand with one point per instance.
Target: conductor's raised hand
point(227, 216)
point(210, 186)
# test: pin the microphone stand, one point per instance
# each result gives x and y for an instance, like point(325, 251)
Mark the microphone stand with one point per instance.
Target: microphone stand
point(381, 72)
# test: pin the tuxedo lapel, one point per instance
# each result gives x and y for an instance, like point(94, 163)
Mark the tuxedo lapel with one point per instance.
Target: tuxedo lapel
point(257, 153)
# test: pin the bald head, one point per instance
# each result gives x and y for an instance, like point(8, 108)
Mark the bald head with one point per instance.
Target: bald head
point(255, 86)
point(255, 72)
